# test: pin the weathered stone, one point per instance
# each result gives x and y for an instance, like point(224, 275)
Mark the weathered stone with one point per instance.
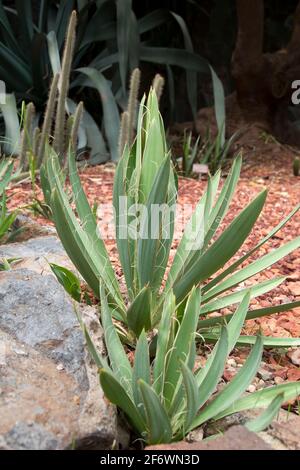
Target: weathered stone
point(29, 228)
point(36, 254)
point(264, 374)
point(236, 438)
point(50, 394)
point(36, 311)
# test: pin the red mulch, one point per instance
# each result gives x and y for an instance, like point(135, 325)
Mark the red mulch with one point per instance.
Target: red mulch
point(266, 165)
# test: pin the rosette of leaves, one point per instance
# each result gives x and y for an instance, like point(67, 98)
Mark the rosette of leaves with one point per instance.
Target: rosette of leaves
point(145, 176)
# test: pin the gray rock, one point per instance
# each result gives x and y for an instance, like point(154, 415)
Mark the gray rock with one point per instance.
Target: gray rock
point(36, 254)
point(36, 311)
point(25, 436)
point(49, 389)
point(264, 374)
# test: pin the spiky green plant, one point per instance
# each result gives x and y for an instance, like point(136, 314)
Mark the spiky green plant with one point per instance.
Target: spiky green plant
point(167, 396)
point(6, 218)
point(145, 176)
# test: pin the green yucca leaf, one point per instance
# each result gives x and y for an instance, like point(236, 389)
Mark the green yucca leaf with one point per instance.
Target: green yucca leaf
point(141, 370)
point(254, 268)
point(155, 151)
point(183, 252)
point(241, 260)
point(251, 314)
point(89, 223)
point(117, 395)
point(223, 249)
point(261, 398)
point(117, 356)
point(236, 323)
point(265, 419)
point(124, 243)
point(68, 280)
point(163, 343)
point(181, 346)
point(235, 388)
point(158, 423)
point(72, 243)
point(166, 234)
point(207, 379)
point(223, 202)
point(192, 395)
point(75, 239)
point(139, 312)
point(270, 341)
point(185, 256)
point(256, 290)
point(147, 246)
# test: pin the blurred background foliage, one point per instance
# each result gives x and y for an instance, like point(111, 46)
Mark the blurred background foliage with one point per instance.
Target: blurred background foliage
point(175, 38)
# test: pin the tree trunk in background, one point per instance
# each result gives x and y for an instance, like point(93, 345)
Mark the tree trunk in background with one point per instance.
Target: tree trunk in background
point(263, 81)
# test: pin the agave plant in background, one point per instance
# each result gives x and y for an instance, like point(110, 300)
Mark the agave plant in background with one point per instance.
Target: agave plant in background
point(167, 396)
point(145, 176)
point(109, 32)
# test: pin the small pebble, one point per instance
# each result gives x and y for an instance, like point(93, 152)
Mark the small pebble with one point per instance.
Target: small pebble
point(278, 380)
point(231, 362)
point(60, 367)
point(251, 388)
point(295, 356)
point(20, 352)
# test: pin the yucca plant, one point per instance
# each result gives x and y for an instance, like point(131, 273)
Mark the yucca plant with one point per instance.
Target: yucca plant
point(166, 397)
point(6, 218)
point(145, 178)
